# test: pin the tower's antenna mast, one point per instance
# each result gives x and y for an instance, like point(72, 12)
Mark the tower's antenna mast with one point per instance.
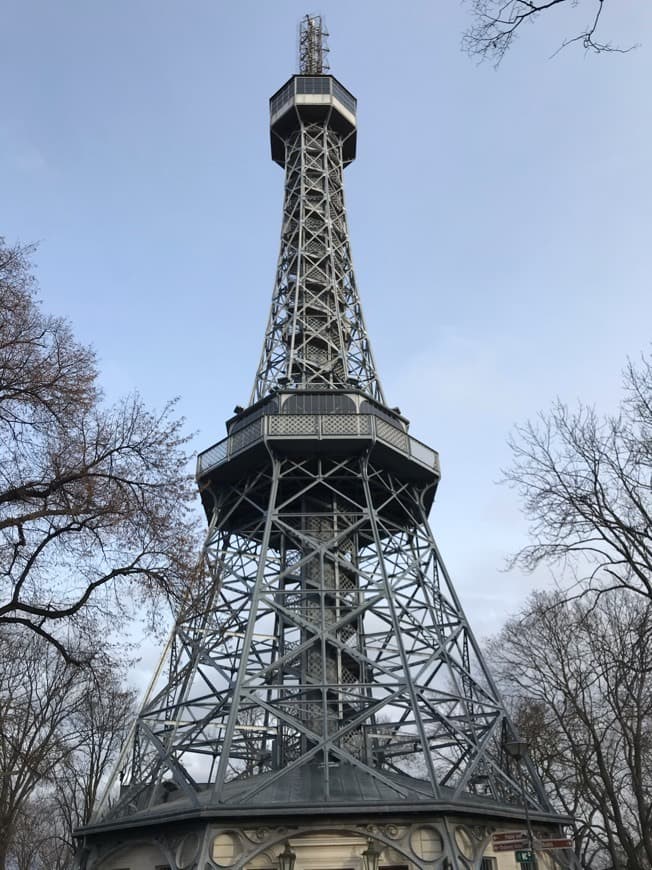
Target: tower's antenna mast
point(313, 49)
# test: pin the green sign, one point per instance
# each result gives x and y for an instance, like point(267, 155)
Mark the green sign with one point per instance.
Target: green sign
point(524, 856)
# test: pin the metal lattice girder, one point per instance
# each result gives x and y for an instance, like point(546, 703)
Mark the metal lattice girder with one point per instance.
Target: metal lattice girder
point(316, 337)
point(313, 49)
point(326, 663)
point(330, 634)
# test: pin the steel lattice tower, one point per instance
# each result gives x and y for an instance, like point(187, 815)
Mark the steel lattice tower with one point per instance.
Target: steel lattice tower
point(326, 671)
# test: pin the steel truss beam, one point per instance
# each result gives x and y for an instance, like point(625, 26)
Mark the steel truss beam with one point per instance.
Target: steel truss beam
point(316, 336)
point(327, 645)
point(331, 634)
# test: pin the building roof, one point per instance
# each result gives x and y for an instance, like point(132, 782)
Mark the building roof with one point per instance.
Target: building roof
point(299, 792)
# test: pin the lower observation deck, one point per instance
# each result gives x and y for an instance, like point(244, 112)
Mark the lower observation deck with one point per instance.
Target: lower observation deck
point(323, 433)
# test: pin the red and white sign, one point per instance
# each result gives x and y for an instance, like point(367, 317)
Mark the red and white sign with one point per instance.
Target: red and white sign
point(510, 846)
point(509, 841)
point(554, 843)
point(501, 836)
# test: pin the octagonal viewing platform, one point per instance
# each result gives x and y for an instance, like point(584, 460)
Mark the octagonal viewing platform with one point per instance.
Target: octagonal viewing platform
point(314, 423)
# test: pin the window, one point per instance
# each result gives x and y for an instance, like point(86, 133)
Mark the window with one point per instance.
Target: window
point(311, 403)
point(488, 864)
point(280, 97)
point(313, 84)
point(347, 99)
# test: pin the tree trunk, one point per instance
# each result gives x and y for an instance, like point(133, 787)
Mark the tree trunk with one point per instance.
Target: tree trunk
point(4, 849)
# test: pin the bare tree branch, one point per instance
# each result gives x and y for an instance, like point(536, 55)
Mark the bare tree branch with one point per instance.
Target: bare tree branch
point(578, 677)
point(94, 500)
point(496, 23)
point(586, 489)
point(60, 729)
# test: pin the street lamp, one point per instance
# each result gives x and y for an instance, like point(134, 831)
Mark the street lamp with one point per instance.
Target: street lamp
point(371, 856)
point(287, 858)
point(480, 783)
point(517, 748)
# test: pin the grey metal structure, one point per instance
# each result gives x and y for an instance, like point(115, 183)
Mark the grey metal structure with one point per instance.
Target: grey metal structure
point(313, 47)
point(327, 666)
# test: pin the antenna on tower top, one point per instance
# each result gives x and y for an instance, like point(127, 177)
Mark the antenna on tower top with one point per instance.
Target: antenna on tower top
point(312, 46)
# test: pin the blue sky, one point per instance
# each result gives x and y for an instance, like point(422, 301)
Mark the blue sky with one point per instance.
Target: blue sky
point(500, 221)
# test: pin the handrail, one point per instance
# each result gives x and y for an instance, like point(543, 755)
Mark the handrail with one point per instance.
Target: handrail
point(317, 426)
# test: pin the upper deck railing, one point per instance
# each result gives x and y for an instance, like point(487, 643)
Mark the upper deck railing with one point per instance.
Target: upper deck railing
point(284, 427)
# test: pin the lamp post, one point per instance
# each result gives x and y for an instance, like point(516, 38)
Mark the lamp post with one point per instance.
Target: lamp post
point(287, 858)
point(371, 856)
point(517, 748)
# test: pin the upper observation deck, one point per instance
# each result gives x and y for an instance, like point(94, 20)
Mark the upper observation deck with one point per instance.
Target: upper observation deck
point(312, 99)
point(317, 424)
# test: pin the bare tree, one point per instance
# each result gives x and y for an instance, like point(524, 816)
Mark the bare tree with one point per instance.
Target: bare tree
point(496, 23)
point(578, 676)
point(38, 840)
point(39, 697)
point(586, 485)
point(94, 500)
point(61, 727)
point(102, 723)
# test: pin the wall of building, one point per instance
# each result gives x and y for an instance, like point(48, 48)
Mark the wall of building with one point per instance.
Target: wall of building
point(402, 847)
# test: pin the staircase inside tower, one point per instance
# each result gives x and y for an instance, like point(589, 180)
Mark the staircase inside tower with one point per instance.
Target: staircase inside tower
point(319, 589)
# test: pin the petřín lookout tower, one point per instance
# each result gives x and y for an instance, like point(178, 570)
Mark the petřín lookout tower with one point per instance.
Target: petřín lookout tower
point(323, 702)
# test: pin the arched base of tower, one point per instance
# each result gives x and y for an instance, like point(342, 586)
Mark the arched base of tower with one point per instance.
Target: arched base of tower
point(365, 842)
